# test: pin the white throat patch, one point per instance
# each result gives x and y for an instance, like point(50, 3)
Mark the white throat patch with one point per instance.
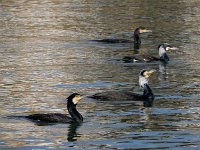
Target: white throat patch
point(76, 99)
point(161, 51)
point(143, 81)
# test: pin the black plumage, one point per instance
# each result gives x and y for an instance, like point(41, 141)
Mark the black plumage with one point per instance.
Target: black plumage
point(162, 48)
point(136, 37)
point(72, 101)
point(147, 97)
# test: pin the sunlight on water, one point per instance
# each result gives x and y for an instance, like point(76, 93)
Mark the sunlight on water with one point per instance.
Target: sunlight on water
point(47, 53)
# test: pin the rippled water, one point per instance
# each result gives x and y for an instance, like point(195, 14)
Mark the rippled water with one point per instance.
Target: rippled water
point(46, 54)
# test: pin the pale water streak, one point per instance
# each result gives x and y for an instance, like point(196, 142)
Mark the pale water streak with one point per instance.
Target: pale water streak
point(46, 54)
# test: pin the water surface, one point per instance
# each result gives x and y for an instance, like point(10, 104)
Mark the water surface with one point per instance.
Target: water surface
point(46, 54)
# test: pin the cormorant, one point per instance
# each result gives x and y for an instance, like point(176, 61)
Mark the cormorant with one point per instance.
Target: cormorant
point(147, 97)
point(162, 48)
point(137, 40)
point(72, 101)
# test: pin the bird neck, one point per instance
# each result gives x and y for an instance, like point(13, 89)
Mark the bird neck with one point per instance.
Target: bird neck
point(76, 116)
point(148, 95)
point(163, 55)
point(148, 92)
point(164, 58)
point(137, 37)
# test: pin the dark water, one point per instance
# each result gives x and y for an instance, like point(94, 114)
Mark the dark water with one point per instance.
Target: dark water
point(46, 55)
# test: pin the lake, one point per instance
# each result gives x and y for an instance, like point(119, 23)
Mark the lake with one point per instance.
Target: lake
point(47, 54)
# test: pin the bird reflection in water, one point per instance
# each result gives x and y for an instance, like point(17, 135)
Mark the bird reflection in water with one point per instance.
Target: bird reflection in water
point(162, 71)
point(72, 129)
point(72, 134)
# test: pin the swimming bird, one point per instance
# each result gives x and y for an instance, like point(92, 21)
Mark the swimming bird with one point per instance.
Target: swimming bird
point(162, 49)
point(147, 97)
point(136, 36)
point(72, 101)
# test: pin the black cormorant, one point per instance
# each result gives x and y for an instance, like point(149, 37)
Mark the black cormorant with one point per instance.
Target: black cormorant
point(162, 48)
point(147, 97)
point(72, 101)
point(136, 36)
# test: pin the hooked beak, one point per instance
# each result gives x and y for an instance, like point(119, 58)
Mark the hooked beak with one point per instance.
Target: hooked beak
point(145, 31)
point(172, 48)
point(83, 96)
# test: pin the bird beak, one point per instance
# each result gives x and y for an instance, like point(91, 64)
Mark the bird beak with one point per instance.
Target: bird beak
point(145, 31)
point(83, 96)
point(151, 71)
point(172, 48)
